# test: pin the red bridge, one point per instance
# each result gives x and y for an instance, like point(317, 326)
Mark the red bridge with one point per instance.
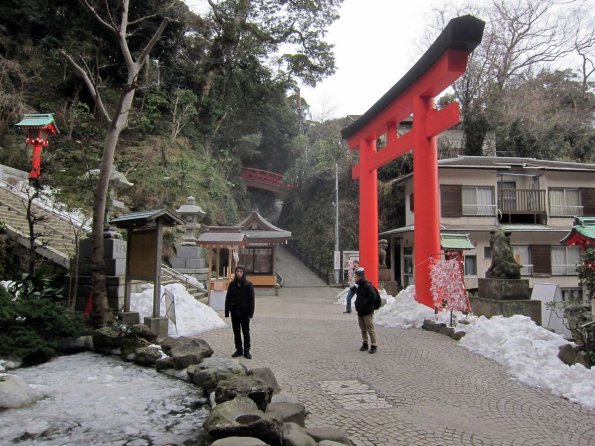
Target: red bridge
point(263, 179)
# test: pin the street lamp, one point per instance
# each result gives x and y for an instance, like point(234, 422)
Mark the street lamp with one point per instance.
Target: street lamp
point(38, 128)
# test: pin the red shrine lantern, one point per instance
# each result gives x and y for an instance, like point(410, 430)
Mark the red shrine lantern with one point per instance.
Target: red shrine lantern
point(38, 128)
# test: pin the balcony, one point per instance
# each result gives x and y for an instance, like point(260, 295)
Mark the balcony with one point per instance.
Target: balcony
point(522, 206)
point(521, 201)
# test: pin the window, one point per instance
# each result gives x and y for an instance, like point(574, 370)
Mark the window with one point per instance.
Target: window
point(257, 260)
point(487, 252)
point(522, 255)
point(565, 202)
point(478, 201)
point(470, 265)
point(565, 259)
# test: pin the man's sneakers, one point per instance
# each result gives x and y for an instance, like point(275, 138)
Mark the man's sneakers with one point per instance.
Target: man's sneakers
point(237, 353)
point(247, 354)
point(373, 349)
point(347, 312)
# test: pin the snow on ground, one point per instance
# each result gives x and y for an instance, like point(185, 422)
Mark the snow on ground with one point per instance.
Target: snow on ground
point(530, 352)
point(191, 316)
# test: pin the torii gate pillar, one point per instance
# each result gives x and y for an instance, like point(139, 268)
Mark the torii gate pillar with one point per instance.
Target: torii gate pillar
point(443, 63)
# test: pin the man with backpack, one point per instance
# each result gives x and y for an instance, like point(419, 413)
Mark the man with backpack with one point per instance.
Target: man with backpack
point(365, 304)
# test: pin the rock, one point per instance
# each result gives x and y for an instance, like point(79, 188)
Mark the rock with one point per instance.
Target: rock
point(448, 331)
point(241, 418)
point(185, 351)
point(330, 443)
point(235, 386)
point(457, 336)
point(295, 435)
point(267, 375)
point(331, 434)
point(212, 370)
point(239, 441)
point(147, 356)
point(178, 374)
point(567, 354)
point(432, 326)
point(288, 412)
point(107, 340)
point(144, 332)
point(15, 393)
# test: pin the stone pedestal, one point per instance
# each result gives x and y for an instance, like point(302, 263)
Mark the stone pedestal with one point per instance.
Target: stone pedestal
point(190, 260)
point(158, 324)
point(129, 317)
point(504, 289)
point(115, 270)
point(384, 274)
point(505, 297)
point(390, 286)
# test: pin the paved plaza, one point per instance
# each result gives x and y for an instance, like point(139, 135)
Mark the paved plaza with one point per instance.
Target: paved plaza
point(421, 388)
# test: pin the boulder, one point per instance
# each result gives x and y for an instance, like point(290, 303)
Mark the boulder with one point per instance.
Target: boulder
point(288, 412)
point(331, 434)
point(15, 393)
point(210, 371)
point(144, 332)
point(432, 326)
point(241, 418)
point(147, 356)
point(295, 435)
point(267, 375)
point(235, 386)
point(239, 441)
point(184, 351)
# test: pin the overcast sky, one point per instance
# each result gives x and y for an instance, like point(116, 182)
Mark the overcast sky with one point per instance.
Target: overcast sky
point(375, 45)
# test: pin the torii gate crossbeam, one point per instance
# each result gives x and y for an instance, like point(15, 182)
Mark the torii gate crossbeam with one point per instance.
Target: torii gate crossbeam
point(443, 63)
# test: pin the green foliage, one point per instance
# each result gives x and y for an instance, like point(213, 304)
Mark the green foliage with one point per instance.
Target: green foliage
point(586, 272)
point(576, 311)
point(32, 320)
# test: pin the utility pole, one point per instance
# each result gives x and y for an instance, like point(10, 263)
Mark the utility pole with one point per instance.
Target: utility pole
point(337, 249)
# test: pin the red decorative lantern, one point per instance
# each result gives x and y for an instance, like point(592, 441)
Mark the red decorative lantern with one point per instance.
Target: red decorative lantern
point(38, 128)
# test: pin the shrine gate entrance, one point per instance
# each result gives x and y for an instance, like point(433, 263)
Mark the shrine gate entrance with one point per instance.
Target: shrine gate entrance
point(443, 63)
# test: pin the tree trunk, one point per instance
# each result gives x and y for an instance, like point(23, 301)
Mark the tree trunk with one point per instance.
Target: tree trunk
point(101, 310)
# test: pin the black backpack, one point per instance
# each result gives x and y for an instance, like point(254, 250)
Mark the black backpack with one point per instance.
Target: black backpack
point(377, 299)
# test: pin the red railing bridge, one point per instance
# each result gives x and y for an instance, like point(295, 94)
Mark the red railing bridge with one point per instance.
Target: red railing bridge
point(263, 179)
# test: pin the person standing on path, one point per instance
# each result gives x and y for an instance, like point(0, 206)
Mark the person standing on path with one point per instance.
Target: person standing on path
point(364, 305)
point(239, 302)
point(351, 276)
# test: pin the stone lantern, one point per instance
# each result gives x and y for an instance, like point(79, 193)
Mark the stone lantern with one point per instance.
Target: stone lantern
point(190, 258)
point(191, 214)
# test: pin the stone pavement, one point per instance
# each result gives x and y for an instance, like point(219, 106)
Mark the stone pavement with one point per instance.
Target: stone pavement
point(421, 388)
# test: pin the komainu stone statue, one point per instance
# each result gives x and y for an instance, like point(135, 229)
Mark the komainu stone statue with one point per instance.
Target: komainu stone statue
point(382, 245)
point(503, 265)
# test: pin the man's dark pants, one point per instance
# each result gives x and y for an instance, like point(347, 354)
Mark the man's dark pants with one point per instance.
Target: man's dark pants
point(241, 327)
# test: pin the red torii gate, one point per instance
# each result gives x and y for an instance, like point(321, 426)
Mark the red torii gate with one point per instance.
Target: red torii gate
point(443, 63)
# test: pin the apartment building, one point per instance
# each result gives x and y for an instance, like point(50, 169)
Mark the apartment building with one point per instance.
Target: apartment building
point(535, 200)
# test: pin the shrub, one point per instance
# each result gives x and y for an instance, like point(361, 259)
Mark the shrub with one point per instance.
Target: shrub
point(32, 319)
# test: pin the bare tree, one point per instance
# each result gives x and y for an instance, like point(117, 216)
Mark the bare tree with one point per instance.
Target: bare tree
point(521, 36)
point(116, 122)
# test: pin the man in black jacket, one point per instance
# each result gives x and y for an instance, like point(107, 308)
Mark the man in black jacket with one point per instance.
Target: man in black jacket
point(239, 302)
point(364, 305)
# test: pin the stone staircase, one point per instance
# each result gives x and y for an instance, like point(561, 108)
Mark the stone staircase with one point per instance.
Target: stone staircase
point(57, 241)
point(169, 275)
point(57, 234)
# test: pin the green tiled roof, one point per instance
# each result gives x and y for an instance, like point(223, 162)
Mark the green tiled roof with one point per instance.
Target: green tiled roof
point(583, 227)
point(36, 120)
point(143, 217)
point(455, 241)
